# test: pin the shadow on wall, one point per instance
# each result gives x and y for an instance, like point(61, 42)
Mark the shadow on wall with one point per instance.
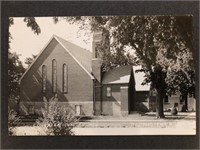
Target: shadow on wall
point(111, 108)
point(34, 92)
point(32, 95)
point(111, 105)
point(142, 106)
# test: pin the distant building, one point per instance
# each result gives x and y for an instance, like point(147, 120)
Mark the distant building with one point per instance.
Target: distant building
point(146, 98)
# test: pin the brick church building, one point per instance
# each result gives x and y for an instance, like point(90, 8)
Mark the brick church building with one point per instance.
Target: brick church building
point(74, 75)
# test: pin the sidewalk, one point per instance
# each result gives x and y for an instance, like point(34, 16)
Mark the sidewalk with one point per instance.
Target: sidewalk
point(147, 120)
point(183, 124)
point(173, 125)
point(189, 122)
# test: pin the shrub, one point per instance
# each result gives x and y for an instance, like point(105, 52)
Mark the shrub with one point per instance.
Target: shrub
point(13, 121)
point(56, 119)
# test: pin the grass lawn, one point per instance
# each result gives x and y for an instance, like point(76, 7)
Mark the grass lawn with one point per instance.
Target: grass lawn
point(184, 122)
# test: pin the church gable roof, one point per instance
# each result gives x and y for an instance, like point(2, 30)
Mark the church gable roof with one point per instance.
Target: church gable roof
point(117, 75)
point(82, 56)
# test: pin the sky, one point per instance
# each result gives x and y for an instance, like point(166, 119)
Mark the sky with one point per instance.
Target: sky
point(25, 42)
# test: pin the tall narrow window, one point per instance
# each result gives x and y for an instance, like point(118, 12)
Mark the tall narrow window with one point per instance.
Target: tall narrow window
point(54, 75)
point(65, 78)
point(44, 78)
point(108, 91)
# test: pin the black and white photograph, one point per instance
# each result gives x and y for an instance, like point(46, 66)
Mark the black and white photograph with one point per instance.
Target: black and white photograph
point(101, 75)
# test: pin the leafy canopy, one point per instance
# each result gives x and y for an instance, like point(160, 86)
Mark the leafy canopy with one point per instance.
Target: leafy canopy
point(162, 45)
point(15, 67)
point(15, 71)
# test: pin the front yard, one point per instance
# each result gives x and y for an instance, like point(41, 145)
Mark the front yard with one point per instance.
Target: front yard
point(134, 124)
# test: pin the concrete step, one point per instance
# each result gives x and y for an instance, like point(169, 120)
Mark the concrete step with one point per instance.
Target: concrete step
point(128, 124)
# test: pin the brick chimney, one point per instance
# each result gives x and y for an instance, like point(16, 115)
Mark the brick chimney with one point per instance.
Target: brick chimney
point(96, 61)
point(97, 72)
point(98, 37)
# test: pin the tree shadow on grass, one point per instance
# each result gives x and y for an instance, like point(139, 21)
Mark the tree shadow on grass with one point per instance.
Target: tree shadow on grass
point(170, 117)
point(85, 118)
point(167, 117)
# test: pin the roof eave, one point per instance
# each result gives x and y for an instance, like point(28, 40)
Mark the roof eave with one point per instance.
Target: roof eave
point(74, 58)
point(36, 59)
point(53, 37)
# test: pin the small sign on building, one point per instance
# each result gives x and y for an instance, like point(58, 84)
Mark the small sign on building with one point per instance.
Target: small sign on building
point(78, 109)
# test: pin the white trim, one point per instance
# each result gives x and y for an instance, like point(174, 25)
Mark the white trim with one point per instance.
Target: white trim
point(108, 91)
point(124, 87)
point(74, 58)
point(36, 79)
point(36, 58)
point(54, 36)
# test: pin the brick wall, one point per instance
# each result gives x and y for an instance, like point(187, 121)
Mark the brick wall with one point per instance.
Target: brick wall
point(124, 100)
point(143, 106)
point(141, 96)
point(80, 85)
point(115, 92)
point(111, 108)
point(86, 107)
point(112, 105)
point(97, 97)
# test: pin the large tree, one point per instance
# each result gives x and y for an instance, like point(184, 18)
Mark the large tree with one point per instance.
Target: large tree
point(162, 45)
point(29, 60)
point(15, 71)
point(15, 67)
point(30, 22)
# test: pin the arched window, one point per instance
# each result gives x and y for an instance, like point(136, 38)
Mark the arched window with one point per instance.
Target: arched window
point(44, 78)
point(54, 76)
point(65, 78)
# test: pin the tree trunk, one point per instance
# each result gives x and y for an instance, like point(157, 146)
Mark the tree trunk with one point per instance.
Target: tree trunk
point(186, 101)
point(159, 104)
point(18, 107)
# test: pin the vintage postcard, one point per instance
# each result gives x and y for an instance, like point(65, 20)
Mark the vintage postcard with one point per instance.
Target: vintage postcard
point(101, 75)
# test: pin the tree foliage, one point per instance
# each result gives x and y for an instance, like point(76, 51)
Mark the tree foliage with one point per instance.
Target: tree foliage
point(15, 67)
point(162, 45)
point(13, 121)
point(29, 60)
point(15, 71)
point(30, 23)
point(56, 119)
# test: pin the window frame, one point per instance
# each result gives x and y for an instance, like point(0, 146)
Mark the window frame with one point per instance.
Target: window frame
point(54, 76)
point(65, 78)
point(44, 78)
point(78, 109)
point(108, 91)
